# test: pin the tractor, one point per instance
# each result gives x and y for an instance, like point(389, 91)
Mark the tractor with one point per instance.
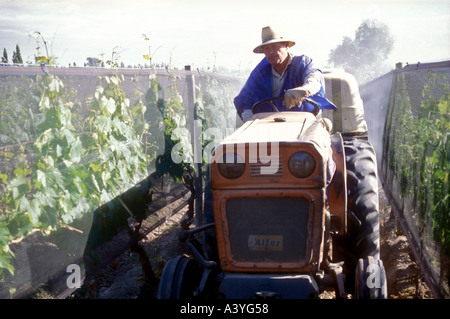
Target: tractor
point(290, 209)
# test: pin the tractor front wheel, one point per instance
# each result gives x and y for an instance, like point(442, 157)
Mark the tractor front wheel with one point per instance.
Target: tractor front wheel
point(180, 278)
point(370, 279)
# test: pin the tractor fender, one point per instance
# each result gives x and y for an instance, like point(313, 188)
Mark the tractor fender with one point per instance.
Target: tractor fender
point(337, 189)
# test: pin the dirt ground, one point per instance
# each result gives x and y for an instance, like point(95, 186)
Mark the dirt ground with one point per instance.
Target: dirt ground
point(123, 278)
point(404, 278)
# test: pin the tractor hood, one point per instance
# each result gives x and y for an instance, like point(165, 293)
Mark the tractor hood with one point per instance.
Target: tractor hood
point(264, 147)
point(280, 127)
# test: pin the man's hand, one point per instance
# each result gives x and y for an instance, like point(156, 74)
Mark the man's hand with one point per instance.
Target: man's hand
point(294, 96)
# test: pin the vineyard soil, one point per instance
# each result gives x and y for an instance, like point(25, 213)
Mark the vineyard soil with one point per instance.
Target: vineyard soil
point(123, 278)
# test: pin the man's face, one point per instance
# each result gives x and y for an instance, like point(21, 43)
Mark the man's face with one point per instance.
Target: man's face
point(276, 53)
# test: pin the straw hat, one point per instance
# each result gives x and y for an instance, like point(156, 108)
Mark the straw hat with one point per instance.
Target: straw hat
point(268, 36)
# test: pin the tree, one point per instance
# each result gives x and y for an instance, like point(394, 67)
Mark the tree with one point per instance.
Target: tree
point(93, 61)
point(5, 56)
point(365, 55)
point(17, 56)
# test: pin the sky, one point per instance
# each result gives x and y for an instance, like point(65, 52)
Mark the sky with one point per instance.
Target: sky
point(207, 33)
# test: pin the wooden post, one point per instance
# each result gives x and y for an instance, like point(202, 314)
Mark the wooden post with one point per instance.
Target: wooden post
point(196, 133)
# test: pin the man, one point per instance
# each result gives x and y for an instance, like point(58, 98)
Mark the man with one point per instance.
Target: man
point(281, 73)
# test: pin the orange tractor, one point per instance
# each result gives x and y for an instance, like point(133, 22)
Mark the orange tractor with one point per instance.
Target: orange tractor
point(291, 209)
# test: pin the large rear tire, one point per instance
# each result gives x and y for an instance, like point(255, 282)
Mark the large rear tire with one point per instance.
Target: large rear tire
point(362, 198)
point(363, 234)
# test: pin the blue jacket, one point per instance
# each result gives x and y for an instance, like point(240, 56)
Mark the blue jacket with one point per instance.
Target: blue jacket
point(258, 87)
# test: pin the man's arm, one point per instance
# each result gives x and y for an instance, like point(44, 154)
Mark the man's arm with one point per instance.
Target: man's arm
point(256, 88)
point(313, 82)
point(311, 86)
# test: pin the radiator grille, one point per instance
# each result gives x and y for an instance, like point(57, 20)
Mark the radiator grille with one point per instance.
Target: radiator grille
point(274, 168)
point(264, 230)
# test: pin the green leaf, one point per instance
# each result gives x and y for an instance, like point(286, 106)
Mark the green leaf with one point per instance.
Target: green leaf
point(95, 166)
point(5, 263)
point(20, 225)
point(55, 179)
point(46, 197)
point(443, 107)
point(111, 106)
point(108, 104)
point(48, 160)
point(94, 182)
point(106, 176)
point(19, 171)
point(23, 204)
point(65, 117)
point(52, 120)
point(18, 186)
point(58, 150)
point(98, 92)
point(103, 123)
point(49, 216)
point(34, 210)
point(3, 178)
point(44, 103)
point(55, 84)
point(4, 235)
point(41, 178)
point(75, 151)
point(104, 196)
point(80, 187)
point(115, 80)
point(81, 208)
point(44, 138)
point(41, 58)
point(68, 134)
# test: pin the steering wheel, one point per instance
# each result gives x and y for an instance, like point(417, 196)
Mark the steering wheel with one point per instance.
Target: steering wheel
point(275, 109)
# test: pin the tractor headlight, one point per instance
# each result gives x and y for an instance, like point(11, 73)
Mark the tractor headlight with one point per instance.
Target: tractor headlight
point(233, 166)
point(302, 164)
